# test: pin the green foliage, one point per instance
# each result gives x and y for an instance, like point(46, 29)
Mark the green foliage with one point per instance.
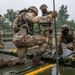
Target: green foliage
point(71, 24)
point(10, 15)
point(62, 16)
point(5, 24)
point(36, 26)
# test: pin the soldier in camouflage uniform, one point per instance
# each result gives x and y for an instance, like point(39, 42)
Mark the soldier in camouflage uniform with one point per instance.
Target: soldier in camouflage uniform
point(1, 42)
point(47, 28)
point(66, 37)
point(23, 26)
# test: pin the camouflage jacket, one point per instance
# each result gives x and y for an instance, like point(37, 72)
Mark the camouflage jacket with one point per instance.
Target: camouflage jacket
point(49, 25)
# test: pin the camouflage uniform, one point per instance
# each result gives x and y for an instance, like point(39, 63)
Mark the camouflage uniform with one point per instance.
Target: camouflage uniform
point(22, 37)
point(47, 28)
point(1, 42)
point(66, 37)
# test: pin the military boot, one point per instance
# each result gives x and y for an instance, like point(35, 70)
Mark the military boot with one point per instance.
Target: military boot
point(37, 63)
point(11, 62)
point(14, 61)
point(36, 59)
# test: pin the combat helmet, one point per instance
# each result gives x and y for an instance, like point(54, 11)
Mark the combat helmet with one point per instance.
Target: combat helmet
point(23, 10)
point(34, 9)
point(65, 26)
point(43, 6)
point(65, 29)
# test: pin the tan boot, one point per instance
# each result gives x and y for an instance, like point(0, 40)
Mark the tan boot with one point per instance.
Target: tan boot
point(15, 61)
point(11, 62)
point(36, 59)
point(37, 63)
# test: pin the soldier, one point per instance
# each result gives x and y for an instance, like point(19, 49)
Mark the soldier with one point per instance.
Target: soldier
point(22, 36)
point(66, 37)
point(47, 28)
point(1, 43)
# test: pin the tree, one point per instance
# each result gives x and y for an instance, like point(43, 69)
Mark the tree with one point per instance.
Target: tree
point(62, 16)
point(10, 15)
point(71, 23)
point(5, 24)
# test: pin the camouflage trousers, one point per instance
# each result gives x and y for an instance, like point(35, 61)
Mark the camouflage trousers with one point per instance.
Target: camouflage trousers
point(22, 42)
point(48, 35)
point(30, 41)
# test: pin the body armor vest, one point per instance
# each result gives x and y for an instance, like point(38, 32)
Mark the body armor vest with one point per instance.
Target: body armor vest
point(28, 25)
point(67, 38)
point(45, 14)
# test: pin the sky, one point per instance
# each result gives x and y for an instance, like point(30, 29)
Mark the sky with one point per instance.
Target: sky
point(20, 4)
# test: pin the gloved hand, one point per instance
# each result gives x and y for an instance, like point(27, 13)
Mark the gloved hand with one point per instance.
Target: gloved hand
point(54, 14)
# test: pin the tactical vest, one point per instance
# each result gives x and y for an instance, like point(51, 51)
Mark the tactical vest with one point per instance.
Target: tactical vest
point(67, 38)
point(29, 25)
point(46, 24)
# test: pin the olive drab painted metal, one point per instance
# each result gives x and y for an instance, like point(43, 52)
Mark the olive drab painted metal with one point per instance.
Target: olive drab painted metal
point(23, 40)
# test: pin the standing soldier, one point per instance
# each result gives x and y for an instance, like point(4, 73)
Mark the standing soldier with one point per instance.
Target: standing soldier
point(23, 39)
point(66, 37)
point(47, 28)
point(1, 43)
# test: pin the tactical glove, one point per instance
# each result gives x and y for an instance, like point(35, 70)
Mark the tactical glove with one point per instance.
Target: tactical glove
point(54, 14)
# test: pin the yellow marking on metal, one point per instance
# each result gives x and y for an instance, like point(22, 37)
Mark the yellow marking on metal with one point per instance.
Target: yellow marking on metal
point(40, 69)
point(15, 50)
point(73, 58)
